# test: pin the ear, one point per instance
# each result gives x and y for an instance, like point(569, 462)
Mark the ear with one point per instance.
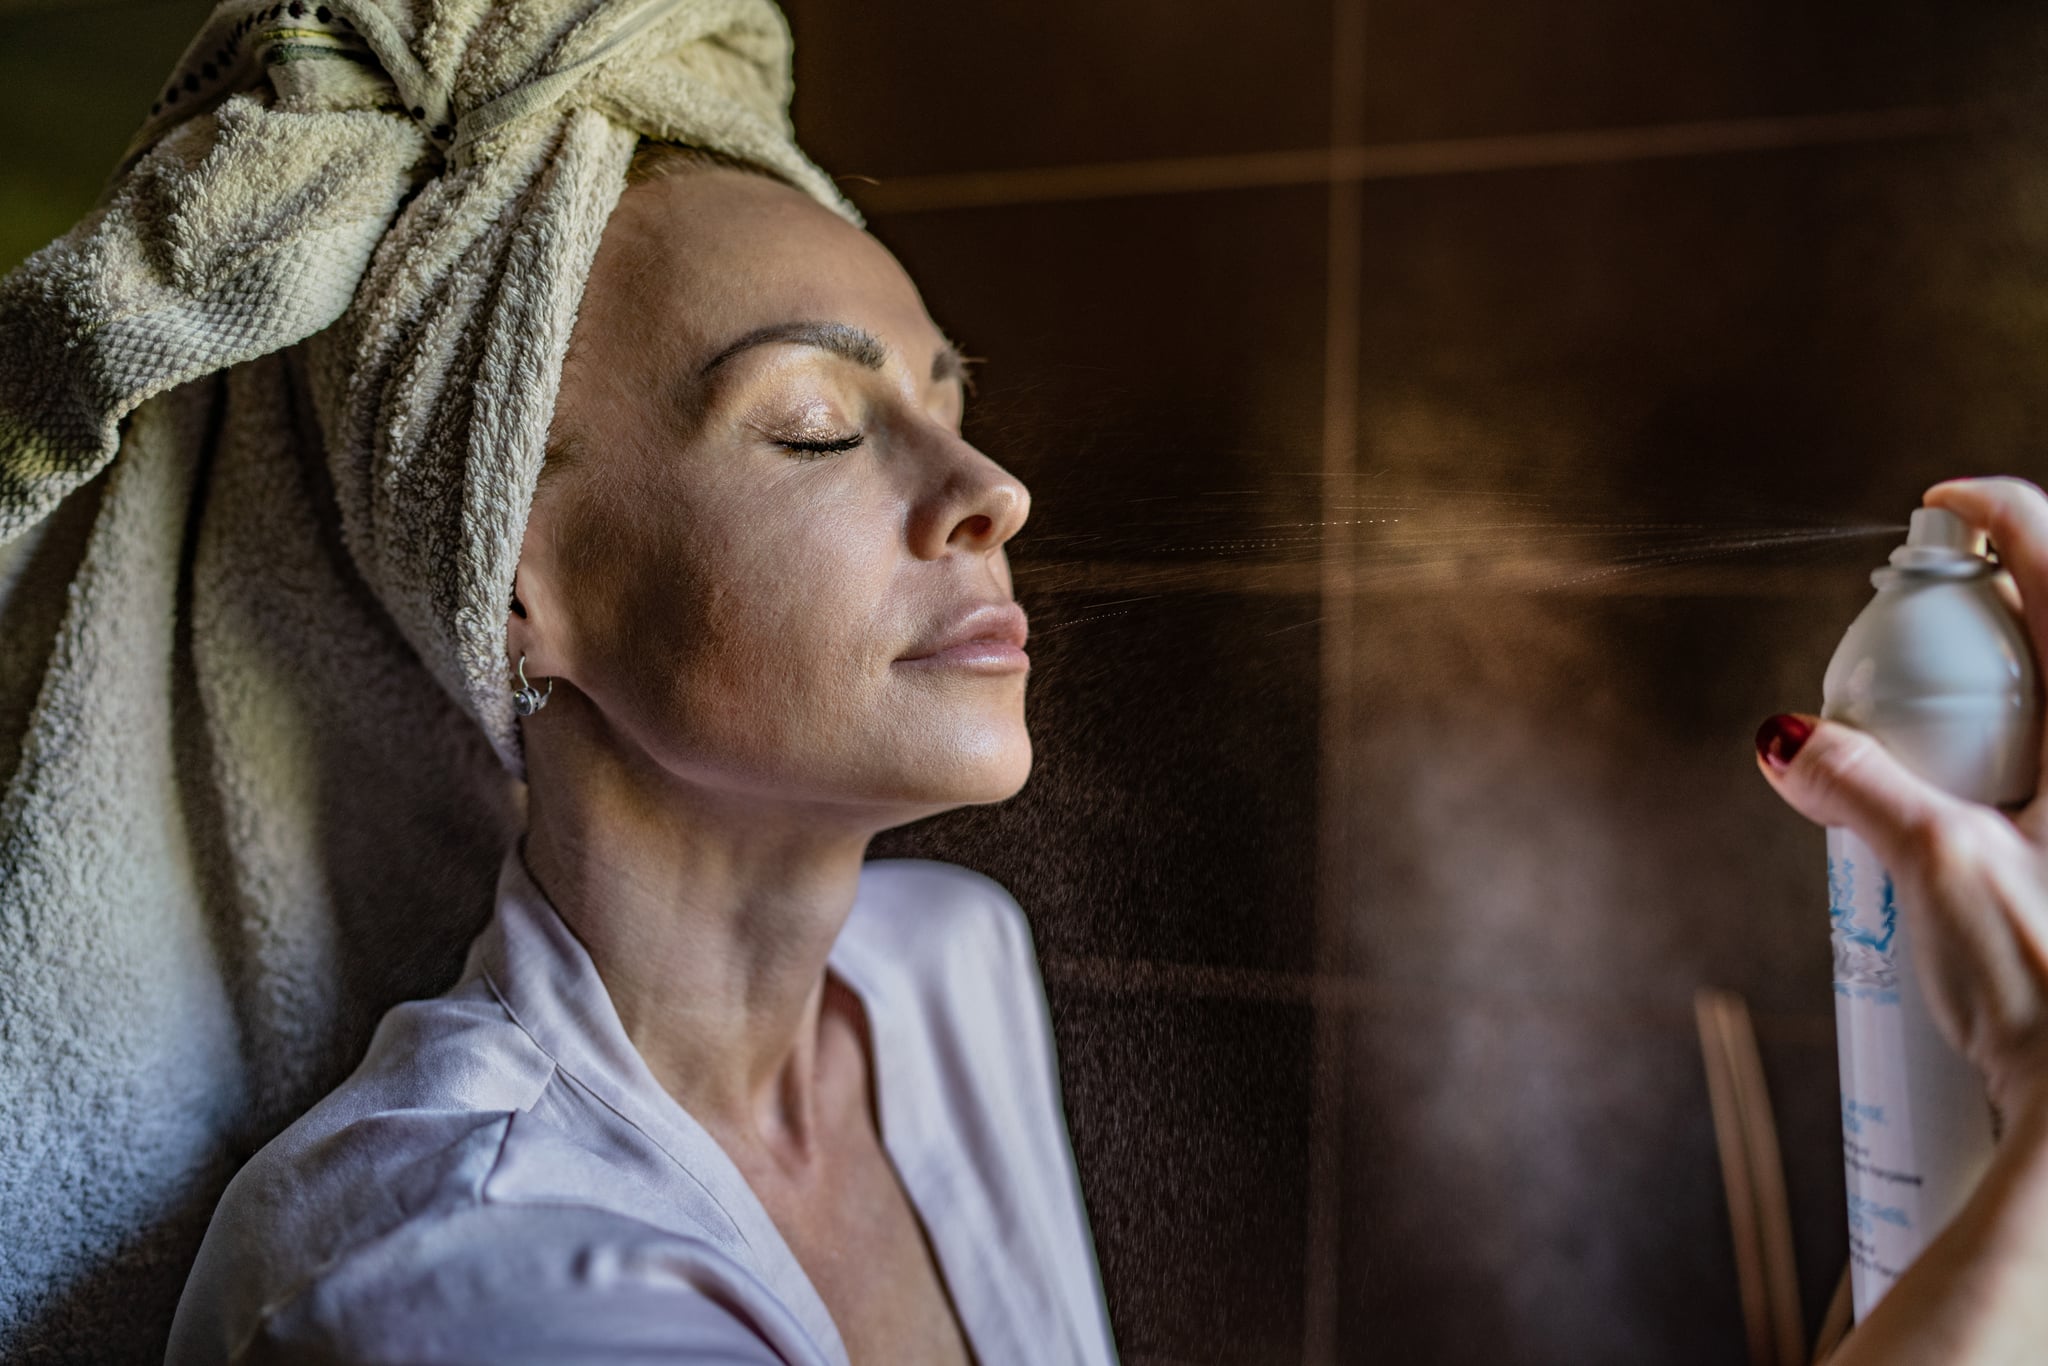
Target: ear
point(533, 614)
point(530, 623)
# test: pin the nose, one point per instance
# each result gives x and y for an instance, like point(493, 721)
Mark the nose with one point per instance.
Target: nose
point(975, 506)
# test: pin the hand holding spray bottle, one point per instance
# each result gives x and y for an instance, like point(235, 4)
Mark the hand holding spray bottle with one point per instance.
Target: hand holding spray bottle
point(1938, 669)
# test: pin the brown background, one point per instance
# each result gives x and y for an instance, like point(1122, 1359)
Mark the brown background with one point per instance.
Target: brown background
point(1447, 423)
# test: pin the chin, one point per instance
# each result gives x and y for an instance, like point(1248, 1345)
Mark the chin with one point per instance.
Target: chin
point(1011, 779)
point(980, 770)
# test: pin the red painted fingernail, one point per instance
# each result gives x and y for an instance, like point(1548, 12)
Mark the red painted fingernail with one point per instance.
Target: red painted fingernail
point(1778, 739)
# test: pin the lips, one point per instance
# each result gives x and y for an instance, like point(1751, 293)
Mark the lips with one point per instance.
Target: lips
point(986, 637)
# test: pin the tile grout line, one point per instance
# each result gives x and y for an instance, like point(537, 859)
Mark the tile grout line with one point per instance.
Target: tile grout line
point(1348, 161)
point(1321, 1304)
point(1350, 994)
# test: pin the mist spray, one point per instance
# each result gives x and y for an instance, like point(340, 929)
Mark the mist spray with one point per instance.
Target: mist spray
point(1938, 668)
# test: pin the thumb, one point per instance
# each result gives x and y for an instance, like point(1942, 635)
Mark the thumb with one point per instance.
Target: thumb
point(1836, 775)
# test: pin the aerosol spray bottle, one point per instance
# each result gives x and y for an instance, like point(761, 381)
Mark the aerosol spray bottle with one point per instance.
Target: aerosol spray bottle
point(1937, 667)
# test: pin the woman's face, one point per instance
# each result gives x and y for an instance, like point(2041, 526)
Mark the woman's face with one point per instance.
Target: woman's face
point(772, 567)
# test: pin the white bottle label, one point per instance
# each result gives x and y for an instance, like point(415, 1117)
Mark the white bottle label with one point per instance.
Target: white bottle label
point(1916, 1128)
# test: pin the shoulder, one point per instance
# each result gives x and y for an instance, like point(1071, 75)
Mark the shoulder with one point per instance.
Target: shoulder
point(413, 1132)
point(967, 1022)
point(945, 911)
point(460, 1197)
point(955, 953)
point(519, 1284)
point(438, 1073)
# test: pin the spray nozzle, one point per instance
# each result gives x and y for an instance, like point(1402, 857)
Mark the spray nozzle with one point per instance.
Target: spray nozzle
point(1940, 528)
point(1941, 544)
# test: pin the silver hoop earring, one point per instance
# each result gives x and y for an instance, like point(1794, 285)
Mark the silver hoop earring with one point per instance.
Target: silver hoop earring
point(527, 699)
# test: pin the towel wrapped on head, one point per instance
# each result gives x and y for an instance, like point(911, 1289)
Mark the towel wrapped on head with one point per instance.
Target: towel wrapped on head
point(270, 423)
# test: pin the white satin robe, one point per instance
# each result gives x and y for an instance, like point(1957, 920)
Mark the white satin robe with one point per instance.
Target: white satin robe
point(502, 1179)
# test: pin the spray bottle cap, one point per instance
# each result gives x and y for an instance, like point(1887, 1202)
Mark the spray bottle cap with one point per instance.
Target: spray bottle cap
point(1939, 544)
point(1942, 528)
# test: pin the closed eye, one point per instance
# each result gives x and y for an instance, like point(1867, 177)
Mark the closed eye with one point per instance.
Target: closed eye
point(832, 446)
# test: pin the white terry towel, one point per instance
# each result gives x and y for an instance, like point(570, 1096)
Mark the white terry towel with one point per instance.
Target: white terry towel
point(270, 421)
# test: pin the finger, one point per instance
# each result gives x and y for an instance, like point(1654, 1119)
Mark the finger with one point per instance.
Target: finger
point(1836, 775)
point(2009, 594)
point(2015, 512)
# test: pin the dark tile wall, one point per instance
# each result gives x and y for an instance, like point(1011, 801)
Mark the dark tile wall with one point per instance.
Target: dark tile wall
point(1545, 1208)
point(1187, 1119)
point(1623, 428)
point(1592, 392)
point(915, 86)
point(1465, 70)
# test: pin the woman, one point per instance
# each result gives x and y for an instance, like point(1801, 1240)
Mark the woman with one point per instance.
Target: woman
point(708, 1071)
point(708, 1087)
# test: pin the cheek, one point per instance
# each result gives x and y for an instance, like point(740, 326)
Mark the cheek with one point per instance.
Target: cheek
point(751, 643)
point(777, 632)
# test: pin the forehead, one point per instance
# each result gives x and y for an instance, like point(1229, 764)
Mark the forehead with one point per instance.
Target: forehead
point(692, 259)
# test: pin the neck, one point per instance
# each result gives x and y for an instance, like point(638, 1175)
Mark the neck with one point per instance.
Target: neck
point(709, 917)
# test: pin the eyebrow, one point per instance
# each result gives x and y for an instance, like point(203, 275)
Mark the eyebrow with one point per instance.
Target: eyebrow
point(856, 344)
point(951, 363)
